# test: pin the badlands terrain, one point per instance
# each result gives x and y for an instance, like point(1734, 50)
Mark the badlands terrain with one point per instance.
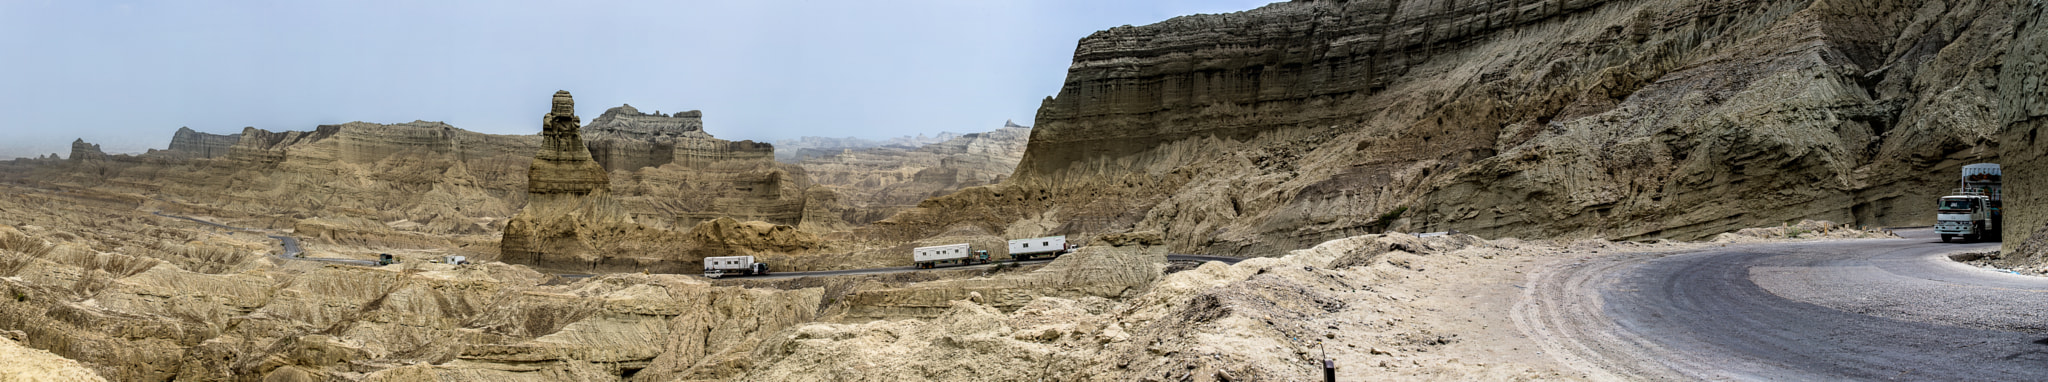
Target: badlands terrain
point(1565, 151)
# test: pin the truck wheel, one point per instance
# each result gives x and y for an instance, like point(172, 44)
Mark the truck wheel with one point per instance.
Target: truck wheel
point(1947, 237)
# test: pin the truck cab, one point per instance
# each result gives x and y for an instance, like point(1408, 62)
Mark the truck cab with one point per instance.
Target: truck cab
point(1967, 216)
point(1974, 211)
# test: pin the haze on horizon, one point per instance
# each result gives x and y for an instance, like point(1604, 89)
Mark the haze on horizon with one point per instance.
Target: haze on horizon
point(126, 74)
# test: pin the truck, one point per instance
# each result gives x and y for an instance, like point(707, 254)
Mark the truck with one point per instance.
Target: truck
point(1024, 249)
point(716, 267)
point(1974, 212)
point(934, 256)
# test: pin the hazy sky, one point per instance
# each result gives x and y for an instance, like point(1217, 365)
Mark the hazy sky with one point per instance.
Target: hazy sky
point(126, 74)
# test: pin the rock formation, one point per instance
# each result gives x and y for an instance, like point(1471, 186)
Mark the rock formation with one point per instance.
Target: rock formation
point(1297, 122)
point(806, 148)
point(570, 211)
point(2023, 109)
point(574, 220)
point(563, 169)
point(194, 144)
point(877, 182)
point(366, 188)
point(81, 151)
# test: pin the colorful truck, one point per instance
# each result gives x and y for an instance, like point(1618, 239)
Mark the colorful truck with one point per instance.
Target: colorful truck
point(1975, 211)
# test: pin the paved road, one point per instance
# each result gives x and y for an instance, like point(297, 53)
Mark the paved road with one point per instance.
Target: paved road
point(905, 269)
point(292, 249)
point(291, 244)
point(1891, 309)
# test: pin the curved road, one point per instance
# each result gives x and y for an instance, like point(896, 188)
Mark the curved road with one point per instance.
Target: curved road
point(906, 269)
point(1890, 309)
point(291, 244)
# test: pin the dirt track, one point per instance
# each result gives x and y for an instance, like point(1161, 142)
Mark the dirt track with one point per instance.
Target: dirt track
point(1886, 309)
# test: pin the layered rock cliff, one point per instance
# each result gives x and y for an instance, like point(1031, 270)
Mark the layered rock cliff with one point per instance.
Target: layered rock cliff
point(1298, 122)
point(877, 182)
point(189, 143)
point(2023, 109)
point(806, 148)
point(365, 187)
point(82, 151)
point(575, 220)
point(570, 212)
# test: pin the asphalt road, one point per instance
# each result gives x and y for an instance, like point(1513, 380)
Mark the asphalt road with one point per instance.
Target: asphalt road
point(905, 269)
point(290, 244)
point(1889, 309)
point(292, 249)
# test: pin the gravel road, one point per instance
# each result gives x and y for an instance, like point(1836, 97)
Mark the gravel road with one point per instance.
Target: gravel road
point(1871, 309)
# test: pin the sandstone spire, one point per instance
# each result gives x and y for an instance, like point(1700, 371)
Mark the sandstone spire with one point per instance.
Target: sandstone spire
point(563, 165)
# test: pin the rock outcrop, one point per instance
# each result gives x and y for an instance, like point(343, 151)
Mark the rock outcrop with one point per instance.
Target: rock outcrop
point(193, 144)
point(806, 148)
point(1298, 122)
point(574, 220)
point(82, 151)
point(366, 188)
point(570, 219)
point(2023, 110)
point(147, 314)
point(562, 168)
point(26, 364)
point(877, 182)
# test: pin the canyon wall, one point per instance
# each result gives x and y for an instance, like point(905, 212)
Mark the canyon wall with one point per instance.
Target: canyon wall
point(1280, 127)
point(805, 148)
point(2023, 101)
point(877, 182)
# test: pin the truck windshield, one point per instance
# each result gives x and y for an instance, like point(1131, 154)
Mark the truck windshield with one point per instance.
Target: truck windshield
point(1957, 204)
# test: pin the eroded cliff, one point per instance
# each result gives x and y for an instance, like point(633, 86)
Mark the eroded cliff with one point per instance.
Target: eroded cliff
point(877, 182)
point(1298, 122)
point(2023, 109)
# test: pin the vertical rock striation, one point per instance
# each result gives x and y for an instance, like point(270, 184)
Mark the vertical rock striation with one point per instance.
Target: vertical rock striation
point(1298, 122)
point(879, 181)
point(563, 168)
point(569, 203)
point(193, 144)
point(2023, 108)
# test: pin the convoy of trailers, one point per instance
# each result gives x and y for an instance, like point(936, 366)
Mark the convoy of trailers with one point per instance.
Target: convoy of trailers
point(964, 253)
point(960, 254)
point(924, 257)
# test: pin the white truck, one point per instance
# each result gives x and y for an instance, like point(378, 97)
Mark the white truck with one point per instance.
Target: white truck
point(1974, 212)
point(933, 256)
point(1022, 249)
point(716, 267)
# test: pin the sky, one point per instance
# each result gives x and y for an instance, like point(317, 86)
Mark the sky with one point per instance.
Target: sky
point(127, 74)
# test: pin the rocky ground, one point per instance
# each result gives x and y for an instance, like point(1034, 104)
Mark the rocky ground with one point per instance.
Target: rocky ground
point(134, 296)
point(1382, 307)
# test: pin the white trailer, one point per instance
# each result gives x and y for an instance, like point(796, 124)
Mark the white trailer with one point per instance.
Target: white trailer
point(1055, 246)
point(933, 256)
point(715, 267)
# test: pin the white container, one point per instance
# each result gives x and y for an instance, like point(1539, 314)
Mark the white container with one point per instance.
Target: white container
point(1038, 245)
point(729, 263)
point(940, 253)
